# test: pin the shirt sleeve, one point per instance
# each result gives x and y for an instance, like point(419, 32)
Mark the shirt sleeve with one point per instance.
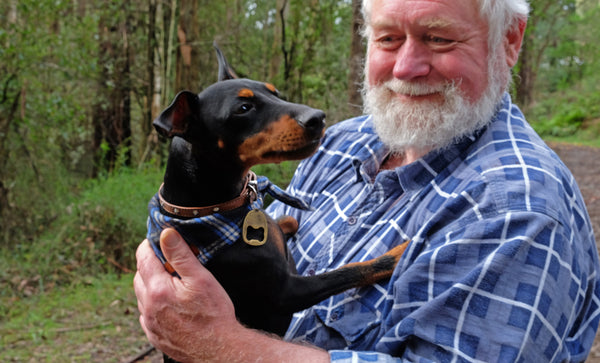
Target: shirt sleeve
point(517, 287)
point(344, 356)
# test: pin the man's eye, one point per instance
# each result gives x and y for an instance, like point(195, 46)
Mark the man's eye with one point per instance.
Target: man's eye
point(388, 42)
point(438, 40)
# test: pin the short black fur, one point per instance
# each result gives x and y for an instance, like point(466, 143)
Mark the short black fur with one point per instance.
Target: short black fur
point(217, 136)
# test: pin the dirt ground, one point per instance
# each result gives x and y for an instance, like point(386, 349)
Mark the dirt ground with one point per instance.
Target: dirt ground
point(584, 163)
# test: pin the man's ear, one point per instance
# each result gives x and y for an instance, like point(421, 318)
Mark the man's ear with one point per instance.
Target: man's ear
point(513, 41)
point(174, 120)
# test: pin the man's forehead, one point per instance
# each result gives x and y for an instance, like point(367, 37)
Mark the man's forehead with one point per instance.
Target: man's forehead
point(434, 14)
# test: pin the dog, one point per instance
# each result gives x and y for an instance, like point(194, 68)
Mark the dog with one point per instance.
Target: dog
point(218, 135)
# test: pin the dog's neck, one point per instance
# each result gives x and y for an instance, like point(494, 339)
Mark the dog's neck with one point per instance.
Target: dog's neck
point(193, 181)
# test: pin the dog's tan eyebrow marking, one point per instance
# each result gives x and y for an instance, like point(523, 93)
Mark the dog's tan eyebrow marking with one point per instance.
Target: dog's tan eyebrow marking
point(271, 88)
point(245, 93)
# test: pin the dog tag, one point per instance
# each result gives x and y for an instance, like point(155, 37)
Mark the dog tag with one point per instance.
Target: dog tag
point(255, 228)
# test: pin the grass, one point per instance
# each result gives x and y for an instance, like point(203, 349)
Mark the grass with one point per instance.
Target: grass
point(91, 321)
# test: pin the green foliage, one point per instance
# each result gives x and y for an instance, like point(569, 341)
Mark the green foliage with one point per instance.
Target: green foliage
point(279, 174)
point(573, 113)
point(83, 315)
point(566, 122)
point(98, 231)
point(46, 66)
point(563, 50)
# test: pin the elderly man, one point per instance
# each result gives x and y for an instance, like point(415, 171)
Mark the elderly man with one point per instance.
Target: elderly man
point(502, 264)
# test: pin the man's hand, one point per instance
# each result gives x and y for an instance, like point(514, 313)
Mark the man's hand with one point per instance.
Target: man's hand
point(192, 319)
point(180, 316)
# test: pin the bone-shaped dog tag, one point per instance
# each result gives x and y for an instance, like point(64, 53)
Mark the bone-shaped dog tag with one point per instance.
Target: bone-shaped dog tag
point(255, 225)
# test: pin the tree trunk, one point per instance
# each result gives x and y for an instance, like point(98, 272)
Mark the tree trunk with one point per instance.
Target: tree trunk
point(524, 81)
point(112, 112)
point(9, 105)
point(277, 45)
point(188, 70)
point(357, 54)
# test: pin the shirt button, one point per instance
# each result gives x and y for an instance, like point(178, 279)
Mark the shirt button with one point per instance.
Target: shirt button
point(352, 220)
point(334, 316)
point(311, 272)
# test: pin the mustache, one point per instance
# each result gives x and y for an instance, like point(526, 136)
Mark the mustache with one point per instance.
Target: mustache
point(416, 88)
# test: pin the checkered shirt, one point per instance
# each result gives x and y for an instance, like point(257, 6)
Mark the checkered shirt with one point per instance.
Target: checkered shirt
point(502, 264)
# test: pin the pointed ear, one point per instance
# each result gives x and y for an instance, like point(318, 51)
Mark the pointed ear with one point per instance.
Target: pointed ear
point(225, 71)
point(174, 121)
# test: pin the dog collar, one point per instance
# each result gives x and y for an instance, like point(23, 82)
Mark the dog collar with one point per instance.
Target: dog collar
point(248, 195)
point(222, 230)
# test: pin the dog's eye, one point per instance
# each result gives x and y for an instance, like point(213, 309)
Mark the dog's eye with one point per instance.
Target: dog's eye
point(243, 108)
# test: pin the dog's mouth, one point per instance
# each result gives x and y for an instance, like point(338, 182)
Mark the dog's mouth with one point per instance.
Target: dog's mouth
point(283, 141)
point(295, 154)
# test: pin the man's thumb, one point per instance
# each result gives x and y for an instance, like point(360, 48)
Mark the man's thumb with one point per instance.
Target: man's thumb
point(178, 254)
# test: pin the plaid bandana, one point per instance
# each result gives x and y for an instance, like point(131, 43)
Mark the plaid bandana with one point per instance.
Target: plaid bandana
point(223, 229)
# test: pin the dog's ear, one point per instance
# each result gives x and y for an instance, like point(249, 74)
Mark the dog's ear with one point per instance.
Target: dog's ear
point(225, 70)
point(174, 121)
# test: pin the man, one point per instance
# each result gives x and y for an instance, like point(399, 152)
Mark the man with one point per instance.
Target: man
point(502, 264)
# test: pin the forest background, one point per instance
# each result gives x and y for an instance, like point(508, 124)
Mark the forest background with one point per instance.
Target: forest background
point(81, 82)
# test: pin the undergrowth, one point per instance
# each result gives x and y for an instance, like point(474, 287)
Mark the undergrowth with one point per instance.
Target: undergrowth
point(570, 115)
point(96, 232)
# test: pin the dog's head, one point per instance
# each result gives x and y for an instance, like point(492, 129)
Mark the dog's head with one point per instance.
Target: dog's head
point(243, 118)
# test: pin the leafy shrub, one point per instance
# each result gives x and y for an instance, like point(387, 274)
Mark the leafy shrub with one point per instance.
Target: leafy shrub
point(565, 123)
point(567, 114)
point(98, 231)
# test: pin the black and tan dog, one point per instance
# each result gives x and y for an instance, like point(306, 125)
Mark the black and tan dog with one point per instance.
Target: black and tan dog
point(217, 136)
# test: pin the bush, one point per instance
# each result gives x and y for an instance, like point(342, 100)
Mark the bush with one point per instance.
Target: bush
point(568, 114)
point(565, 123)
point(97, 232)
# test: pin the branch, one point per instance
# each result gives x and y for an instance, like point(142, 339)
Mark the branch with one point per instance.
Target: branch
point(143, 354)
point(118, 265)
point(5, 90)
point(81, 327)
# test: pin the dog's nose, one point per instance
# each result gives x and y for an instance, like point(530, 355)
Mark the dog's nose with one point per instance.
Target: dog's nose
point(312, 120)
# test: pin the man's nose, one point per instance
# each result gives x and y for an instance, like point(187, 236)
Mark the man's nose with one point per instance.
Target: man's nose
point(412, 60)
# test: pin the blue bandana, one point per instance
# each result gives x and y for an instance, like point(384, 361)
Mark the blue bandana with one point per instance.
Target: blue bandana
point(223, 229)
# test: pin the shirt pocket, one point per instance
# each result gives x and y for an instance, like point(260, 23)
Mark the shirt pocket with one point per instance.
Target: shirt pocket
point(351, 318)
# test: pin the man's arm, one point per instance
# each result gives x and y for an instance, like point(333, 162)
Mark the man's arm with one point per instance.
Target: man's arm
point(192, 319)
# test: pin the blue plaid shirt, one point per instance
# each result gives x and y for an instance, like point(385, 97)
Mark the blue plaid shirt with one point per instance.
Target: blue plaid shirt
point(502, 265)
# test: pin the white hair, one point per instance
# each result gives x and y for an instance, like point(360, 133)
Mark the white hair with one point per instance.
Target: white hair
point(501, 15)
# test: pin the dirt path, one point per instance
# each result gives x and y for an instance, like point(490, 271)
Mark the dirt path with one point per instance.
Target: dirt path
point(584, 163)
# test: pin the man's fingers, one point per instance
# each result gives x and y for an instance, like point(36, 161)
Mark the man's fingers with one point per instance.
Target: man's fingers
point(178, 254)
point(146, 259)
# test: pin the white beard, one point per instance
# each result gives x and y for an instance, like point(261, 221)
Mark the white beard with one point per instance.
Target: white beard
point(430, 124)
